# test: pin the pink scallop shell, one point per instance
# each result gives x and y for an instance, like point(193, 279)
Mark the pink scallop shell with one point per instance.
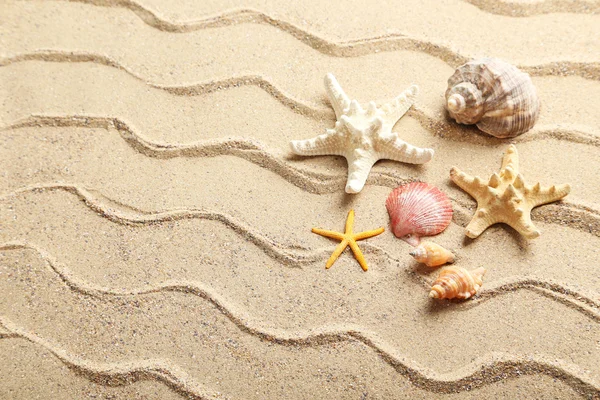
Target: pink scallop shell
point(418, 209)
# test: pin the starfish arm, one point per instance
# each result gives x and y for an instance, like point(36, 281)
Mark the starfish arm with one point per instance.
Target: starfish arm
point(329, 234)
point(328, 143)
point(336, 253)
point(349, 223)
point(479, 223)
point(395, 109)
point(524, 226)
point(339, 100)
point(368, 234)
point(474, 186)
point(394, 148)
point(360, 163)
point(537, 195)
point(358, 255)
point(510, 163)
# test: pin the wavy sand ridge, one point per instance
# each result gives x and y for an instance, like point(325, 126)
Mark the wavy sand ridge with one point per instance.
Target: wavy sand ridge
point(238, 38)
point(173, 121)
point(522, 9)
point(122, 373)
point(289, 256)
point(21, 382)
point(31, 370)
point(249, 150)
point(570, 214)
point(179, 276)
point(381, 259)
point(426, 117)
point(483, 370)
point(114, 211)
point(582, 215)
point(305, 94)
point(114, 91)
point(120, 213)
point(252, 151)
point(513, 47)
point(293, 256)
point(578, 301)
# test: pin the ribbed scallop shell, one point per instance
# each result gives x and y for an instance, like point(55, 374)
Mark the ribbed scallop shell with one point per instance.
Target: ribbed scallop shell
point(495, 95)
point(456, 282)
point(432, 255)
point(418, 209)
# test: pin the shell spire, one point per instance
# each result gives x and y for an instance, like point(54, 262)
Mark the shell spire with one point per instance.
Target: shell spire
point(495, 95)
point(456, 282)
point(418, 209)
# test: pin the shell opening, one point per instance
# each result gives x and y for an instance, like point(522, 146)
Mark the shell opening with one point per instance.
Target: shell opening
point(456, 103)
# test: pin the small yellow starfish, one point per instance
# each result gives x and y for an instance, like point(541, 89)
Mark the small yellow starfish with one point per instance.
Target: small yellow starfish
point(348, 238)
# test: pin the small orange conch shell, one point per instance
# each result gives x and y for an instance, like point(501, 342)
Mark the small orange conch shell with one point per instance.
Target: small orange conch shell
point(432, 255)
point(457, 282)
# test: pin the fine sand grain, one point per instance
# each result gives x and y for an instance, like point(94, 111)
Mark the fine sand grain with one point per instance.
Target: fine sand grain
point(155, 230)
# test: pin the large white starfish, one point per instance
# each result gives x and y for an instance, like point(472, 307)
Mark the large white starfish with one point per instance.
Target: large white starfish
point(363, 136)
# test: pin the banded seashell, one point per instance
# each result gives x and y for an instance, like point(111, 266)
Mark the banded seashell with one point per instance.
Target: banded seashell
point(456, 282)
point(418, 209)
point(432, 255)
point(495, 95)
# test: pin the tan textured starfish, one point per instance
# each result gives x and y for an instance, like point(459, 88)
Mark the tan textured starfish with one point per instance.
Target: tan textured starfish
point(348, 238)
point(506, 198)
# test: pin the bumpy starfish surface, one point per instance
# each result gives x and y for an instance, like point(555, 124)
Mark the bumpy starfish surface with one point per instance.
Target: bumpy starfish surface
point(363, 136)
point(506, 198)
point(348, 238)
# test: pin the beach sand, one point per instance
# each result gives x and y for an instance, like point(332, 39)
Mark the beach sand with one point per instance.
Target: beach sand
point(155, 237)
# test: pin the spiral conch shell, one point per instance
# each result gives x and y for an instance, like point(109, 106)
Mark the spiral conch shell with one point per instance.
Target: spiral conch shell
point(495, 95)
point(432, 255)
point(456, 282)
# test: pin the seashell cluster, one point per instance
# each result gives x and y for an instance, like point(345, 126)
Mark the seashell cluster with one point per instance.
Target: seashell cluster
point(418, 209)
point(456, 282)
point(432, 255)
point(495, 95)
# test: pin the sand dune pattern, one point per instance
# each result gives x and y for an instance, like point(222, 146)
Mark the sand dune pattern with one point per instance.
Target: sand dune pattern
point(117, 374)
point(502, 7)
point(564, 213)
point(353, 48)
point(518, 9)
point(434, 125)
point(576, 300)
point(289, 255)
point(482, 371)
